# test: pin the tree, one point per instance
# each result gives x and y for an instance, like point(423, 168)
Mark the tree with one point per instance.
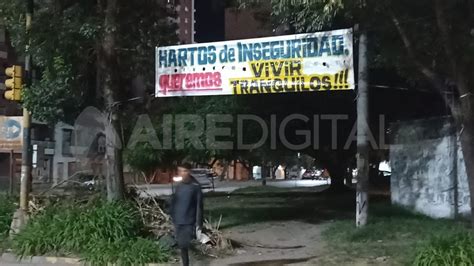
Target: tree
point(107, 62)
point(428, 41)
point(88, 53)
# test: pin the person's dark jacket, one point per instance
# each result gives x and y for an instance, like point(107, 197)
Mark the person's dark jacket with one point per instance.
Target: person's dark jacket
point(187, 204)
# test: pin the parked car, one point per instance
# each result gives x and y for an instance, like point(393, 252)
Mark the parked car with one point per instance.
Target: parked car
point(313, 174)
point(292, 172)
point(204, 176)
point(92, 182)
point(257, 172)
point(84, 181)
point(385, 169)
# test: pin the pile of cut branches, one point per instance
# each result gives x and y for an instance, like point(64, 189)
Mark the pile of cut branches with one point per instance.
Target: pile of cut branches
point(156, 220)
point(213, 242)
point(152, 210)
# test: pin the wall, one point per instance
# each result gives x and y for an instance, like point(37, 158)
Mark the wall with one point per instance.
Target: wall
point(428, 172)
point(61, 161)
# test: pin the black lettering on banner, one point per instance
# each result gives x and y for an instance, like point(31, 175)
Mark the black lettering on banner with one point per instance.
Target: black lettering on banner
point(326, 82)
point(277, 69)
point(295, 67)
point(315, 83)
point(266, 86)
point(254, 87)
point(234, 84)
point(257, 69)
point(303, 84)
point(244, 87)
point(278, 85)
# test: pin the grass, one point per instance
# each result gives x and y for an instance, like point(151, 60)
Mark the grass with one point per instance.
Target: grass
point(393, 236)
point(454, 249)
point(7, 207)
point(392, 232)
point(265, 203)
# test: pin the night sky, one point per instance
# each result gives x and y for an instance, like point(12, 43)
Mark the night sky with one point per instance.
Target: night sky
point(209, 20)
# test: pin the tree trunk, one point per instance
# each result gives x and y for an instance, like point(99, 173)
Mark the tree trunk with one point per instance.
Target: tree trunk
point(463, 109)
point(362, 194)
point(467, 144)
point(115, 182)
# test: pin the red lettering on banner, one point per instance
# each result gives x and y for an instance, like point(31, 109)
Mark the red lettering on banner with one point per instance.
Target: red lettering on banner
point(190, 82)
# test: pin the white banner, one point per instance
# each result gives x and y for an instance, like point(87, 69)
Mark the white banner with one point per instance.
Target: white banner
point(308, 62)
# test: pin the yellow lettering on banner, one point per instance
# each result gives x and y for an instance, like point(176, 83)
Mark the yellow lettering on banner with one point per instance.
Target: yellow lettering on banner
point(277, 68)
point(291, 83)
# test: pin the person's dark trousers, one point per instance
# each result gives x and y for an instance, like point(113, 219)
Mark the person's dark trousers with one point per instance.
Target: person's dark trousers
point(184, 235)
point(185, 256)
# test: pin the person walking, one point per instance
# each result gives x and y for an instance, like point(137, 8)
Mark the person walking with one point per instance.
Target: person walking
point(186, 210)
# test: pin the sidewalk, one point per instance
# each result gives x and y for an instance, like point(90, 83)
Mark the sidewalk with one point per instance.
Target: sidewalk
point(8, 259)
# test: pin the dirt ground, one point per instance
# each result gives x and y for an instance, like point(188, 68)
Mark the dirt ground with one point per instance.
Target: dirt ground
point(284, 243)
point(274, 243)
point(281, 228)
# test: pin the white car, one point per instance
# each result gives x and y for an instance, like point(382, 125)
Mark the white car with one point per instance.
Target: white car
point(293, 173)
point(384, 167)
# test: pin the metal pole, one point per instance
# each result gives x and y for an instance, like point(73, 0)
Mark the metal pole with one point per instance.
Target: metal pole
point(362, 194)
point(26, 149)
point(12, 171)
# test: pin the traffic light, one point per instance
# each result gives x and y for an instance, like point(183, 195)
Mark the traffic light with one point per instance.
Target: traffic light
point(13, 83)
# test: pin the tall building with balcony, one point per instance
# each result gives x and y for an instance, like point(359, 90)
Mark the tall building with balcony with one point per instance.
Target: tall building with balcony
point(185, 10)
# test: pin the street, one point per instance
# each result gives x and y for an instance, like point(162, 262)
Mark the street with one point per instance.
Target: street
point(230, 186)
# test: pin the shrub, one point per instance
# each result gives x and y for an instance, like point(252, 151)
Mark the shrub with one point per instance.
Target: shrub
point(456, 249)
point(99, 232)
point(137, 251)
point(6, 213)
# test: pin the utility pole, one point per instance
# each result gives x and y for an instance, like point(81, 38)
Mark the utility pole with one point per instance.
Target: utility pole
point(26, 149)
point(362, 193)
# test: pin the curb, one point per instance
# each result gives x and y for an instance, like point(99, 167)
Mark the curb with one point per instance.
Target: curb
point(12, 258)
point(41, 260)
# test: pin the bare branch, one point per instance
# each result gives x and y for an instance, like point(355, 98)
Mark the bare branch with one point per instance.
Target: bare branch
point(443, 28)
point(426, 71)
point(432, 77)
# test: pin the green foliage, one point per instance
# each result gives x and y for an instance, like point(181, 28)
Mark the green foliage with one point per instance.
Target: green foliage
point(143, 157)
point(62, 41)
point(98, 231)
point(457, 249)
point(386, 49)
point(43, 101)
point(6, 213)
point(391, 231)
point(300, 16)
point(139, 32)
point(65, 41)
point(138, 251)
